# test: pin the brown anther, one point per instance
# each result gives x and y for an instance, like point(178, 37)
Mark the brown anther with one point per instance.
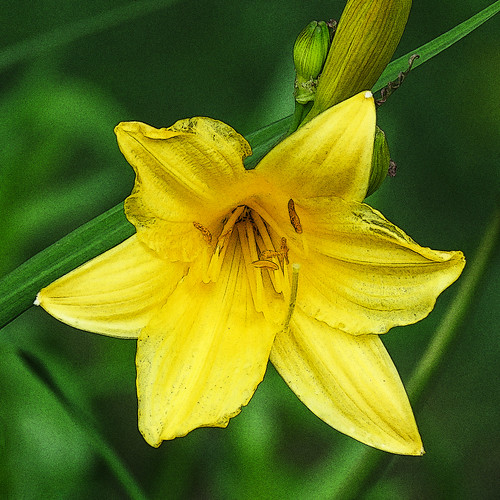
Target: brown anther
point(265, 264)
point(207, 235)
point(268, 254)
point(294, 218)
point(281, 255)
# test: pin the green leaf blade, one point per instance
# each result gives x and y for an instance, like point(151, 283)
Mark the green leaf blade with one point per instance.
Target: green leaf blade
point(436, 46)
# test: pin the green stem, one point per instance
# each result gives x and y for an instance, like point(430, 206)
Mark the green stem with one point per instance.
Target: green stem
point(117, 467)
point(300, 112)
point(456, 313)
point(36, 46)
point(368, 465)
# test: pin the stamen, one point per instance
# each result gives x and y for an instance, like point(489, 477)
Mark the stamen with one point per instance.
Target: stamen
point(263, 231)
point(279, 278)
point(293, 295)
point(247, 257)
point(282, 255)
point(284, 251)
point(249, 249)
point(216, 263)
point(285, 283)
point(207, 235)
point(284, 262)
point(220, 249)
point(268, 254)
point(294, 218)
point(258, 250)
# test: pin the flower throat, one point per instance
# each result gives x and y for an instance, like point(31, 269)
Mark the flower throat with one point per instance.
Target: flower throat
point(266, 260)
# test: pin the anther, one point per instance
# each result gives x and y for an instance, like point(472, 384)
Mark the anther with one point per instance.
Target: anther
point(294, 218)
point(268, 254)
point(207, 235)
point(265, 264)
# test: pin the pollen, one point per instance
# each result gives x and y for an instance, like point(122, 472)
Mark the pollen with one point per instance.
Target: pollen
point(294, 218)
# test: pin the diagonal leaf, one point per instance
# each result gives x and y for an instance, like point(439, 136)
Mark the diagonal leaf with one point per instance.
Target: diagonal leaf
point(436, 46)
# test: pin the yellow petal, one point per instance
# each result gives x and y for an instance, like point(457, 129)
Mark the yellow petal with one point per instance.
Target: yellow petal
point(202, 358)
point(348, 381)
point(329, 156)
point(181, 173)
point(114, 294)
point(362, 274)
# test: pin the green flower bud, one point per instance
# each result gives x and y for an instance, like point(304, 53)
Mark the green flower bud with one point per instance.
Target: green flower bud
point(366, 38)
point(381, 161)
point(309, 54)
point(310, 49)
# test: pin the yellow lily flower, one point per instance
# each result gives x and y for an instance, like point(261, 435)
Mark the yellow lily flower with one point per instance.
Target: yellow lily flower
point(206, 284)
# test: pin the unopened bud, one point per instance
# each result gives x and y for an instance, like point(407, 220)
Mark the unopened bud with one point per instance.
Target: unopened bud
point(367, 36)
point(381, 161)
point(309, 55)
point(310, 49)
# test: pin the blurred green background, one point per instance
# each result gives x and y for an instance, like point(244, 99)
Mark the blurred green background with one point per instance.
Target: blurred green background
point(60, 167)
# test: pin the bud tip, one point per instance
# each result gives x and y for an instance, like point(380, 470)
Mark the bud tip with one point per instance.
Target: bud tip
point(368, 94)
